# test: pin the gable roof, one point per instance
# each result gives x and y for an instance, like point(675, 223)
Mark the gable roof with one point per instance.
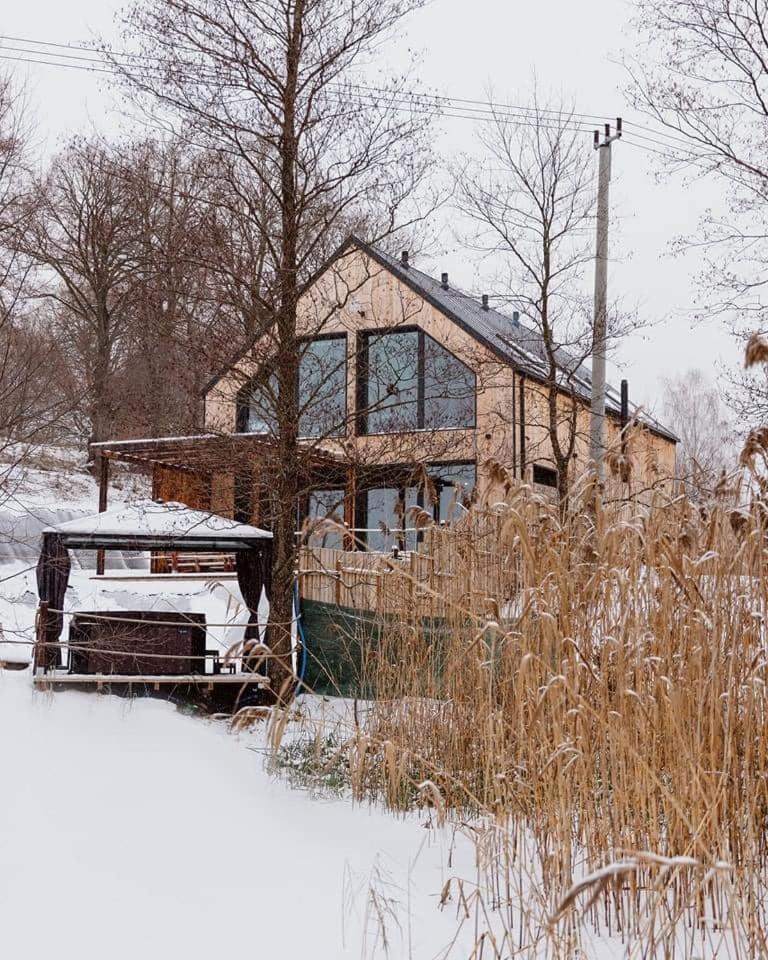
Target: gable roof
point(507, 338)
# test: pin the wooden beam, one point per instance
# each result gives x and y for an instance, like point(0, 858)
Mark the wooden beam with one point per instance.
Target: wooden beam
point(350, 499)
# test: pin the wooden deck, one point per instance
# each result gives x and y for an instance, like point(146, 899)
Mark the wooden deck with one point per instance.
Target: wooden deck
point(52, 680)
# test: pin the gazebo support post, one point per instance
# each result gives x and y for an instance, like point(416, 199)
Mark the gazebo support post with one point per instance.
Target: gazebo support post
point(103, 498)
point(40, 651)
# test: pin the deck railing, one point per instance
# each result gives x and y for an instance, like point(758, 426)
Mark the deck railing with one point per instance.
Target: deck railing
point(453, 566)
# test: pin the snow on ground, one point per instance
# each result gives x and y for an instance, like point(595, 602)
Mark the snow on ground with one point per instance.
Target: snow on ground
point(130, 830)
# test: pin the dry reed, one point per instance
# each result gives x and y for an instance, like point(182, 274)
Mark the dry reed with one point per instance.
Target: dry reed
point(593, 695)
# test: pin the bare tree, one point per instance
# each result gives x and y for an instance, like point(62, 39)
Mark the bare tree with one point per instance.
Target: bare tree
point(273, 87)
point(702, 75)
point(29, 408)
point(532, 201)
point(172, 320)
point(694, 411)
point(82, 236)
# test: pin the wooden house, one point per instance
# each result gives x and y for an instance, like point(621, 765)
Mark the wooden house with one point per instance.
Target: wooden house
point(412, 395)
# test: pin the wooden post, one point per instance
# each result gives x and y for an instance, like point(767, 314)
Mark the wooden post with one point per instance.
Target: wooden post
point(39, 657)
point(103, 491)
point(350, 499)
point(522, 428)
point(624, 415)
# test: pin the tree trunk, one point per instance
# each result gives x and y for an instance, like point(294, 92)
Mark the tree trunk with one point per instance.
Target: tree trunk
point(288, 484)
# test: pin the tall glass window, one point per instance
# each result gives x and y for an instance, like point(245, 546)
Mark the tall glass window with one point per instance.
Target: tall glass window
point(454, 484)
point(322, 392)
point(256, 405)
point(385, 516)
point(449, 389)
point(387, 523)
point(408, 381)
point(326, 504)
point(323, 388)
point(392, 382)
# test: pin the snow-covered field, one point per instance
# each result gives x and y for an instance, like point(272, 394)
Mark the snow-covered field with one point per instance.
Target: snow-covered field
point(130, 830)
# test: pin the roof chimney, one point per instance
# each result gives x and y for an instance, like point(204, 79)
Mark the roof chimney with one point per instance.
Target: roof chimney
point(444, 281)
point(404, 259)
point(515, 318)
point(485, 301)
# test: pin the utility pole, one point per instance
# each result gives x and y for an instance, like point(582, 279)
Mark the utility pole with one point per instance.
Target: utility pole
point(599, 329)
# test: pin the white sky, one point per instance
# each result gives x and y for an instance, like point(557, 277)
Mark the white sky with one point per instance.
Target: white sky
point(468, 47)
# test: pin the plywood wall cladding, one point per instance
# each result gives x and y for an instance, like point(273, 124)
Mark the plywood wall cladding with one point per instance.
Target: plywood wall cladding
point(651, 457)
point(182, 486)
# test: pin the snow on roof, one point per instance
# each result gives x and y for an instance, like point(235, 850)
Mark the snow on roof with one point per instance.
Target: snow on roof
point(148, 518)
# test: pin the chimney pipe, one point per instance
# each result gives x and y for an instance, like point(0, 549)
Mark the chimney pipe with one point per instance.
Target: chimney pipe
point(624, 414)
point(404, 259)
point(485, 301)
point(444, 281)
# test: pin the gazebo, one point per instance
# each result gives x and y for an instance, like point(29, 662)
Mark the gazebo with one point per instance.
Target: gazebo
point(140, 648)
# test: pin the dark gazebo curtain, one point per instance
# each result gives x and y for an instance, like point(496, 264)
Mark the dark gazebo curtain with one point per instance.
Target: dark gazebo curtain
point(254, 572)
point(52, 579)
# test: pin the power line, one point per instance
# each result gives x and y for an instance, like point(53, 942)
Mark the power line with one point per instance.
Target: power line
point(480, 111)
point(400, 102)
point(108, 56)
point(113, 59)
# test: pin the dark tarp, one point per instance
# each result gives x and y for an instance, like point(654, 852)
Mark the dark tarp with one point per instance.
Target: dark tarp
point(254, 573)
point(52, 579)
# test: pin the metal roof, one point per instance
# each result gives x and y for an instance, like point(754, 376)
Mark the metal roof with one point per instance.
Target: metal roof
point(508, 338)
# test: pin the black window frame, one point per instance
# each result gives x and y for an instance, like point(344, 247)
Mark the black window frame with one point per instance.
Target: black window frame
point(402, 477)
point(242, 401)
point(361, 391)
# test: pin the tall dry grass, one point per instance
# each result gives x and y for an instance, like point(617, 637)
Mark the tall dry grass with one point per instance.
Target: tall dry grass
point(593, 702)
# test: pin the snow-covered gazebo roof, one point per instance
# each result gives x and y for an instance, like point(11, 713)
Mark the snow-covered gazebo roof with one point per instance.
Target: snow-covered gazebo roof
point(145, 524)
point(148, 525)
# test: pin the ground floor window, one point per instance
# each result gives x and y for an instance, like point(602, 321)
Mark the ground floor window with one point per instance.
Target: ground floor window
point(326, 505)
point(385, 511)
point(546, 476)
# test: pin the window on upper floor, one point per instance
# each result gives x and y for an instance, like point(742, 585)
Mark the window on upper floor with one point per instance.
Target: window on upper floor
point(322, 392)
point(408, 381)
point(323, 388)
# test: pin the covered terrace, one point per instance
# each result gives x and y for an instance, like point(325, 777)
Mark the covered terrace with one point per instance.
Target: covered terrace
point(147, 647)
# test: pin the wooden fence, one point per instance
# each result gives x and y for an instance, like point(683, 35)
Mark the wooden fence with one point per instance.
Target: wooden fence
point(461, 566)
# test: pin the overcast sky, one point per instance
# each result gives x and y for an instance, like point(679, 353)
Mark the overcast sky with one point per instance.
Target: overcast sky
point(469, 47)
